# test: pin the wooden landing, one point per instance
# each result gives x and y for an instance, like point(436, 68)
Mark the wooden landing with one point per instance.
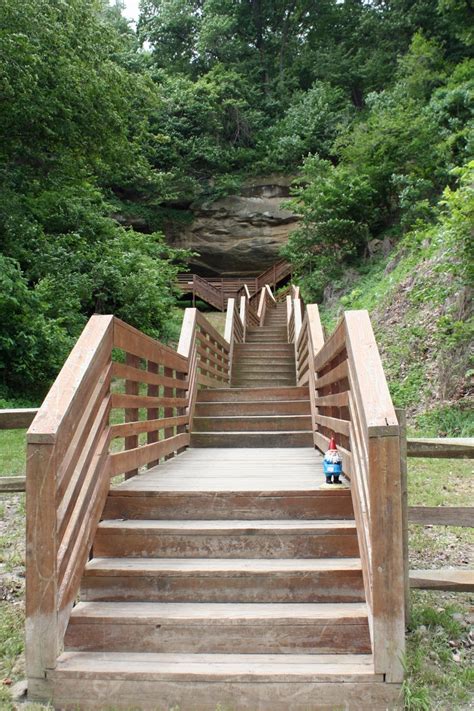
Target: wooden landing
point(233, 470)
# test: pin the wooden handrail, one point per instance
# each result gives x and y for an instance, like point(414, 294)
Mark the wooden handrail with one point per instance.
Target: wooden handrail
point(235, 327)
point(208, 354)
point(72, 455)
point(350, 398)
point(279, 270)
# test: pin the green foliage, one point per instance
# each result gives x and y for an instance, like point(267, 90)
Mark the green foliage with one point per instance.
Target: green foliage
point(333, 203)
point(310, 125)
point(71, 124)
point(447, 421)
point(420, 307)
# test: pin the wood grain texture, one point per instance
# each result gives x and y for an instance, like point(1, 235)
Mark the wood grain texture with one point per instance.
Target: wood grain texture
point(59, 415)
point(387, 556)
point(137, 343)
point(122, 461)
point(12, 483)
point(370, 387)
point(16, 419)
point(249, 696)
point(442, 515)
point(456, 580)
point(442, 447)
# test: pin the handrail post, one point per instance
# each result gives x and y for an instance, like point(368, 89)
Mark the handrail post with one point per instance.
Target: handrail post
point(289, 311)
point(381, 431)
point(402, 422)
point(187, 348)
point(297, 313)
point(243, 315)
point(42, 629)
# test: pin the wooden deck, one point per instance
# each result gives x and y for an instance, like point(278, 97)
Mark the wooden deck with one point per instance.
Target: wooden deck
point(216, 469)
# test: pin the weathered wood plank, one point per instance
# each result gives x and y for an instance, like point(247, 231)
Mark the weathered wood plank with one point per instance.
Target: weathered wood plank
point(331, 348)
point(388, 605)
point(12, 483)
point(120, 370)
point(137, 401)
point(130, 428)
point(196, 696)
point(442, 447)
point(336, 400)
point(17, 419)
point(340, 372)
point(208, 328)
point(123, 461)
point(402, 423)
point(334, 424)
point(442, 515)
point(137, 343)
point(42, 639)
point(457, 580)
point(59, 415)
point(369, 384)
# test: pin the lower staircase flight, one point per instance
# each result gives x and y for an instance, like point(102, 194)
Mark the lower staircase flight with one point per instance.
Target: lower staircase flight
point(217, 573)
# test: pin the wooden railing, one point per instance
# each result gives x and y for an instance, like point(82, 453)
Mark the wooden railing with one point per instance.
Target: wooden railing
point(203, 289)
point(217, 290)
point(266, 301)
point(15, 419)
point(271, 276)
point(208, 354)
point(350, 399)
point(294, 316)
point(235, 329)
point(103, 417)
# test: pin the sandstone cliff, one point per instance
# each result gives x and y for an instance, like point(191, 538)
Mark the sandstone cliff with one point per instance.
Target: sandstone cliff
point(239, 234)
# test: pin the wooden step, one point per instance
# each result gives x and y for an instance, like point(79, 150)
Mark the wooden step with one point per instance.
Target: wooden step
point(242, 628)
point(256, 407)
point(273, 504)
point(223, 580)
point(251, 383)
point(252, 423)
point(251, 369)
point(257, 394)
point(267, 358)
point(264, 338)
point(249, 347)
point(226, 539)
point(252, 439)
point(199, 682)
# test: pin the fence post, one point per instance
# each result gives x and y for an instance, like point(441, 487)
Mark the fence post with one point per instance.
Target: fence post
point(402, 423)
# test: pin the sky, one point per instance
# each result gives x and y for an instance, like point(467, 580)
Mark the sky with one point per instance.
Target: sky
point(131, 9)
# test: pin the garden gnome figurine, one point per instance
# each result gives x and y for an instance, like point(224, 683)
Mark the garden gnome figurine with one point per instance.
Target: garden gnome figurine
point(332, 463)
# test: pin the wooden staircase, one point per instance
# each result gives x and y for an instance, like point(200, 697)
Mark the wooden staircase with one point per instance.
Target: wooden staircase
point(223, 577)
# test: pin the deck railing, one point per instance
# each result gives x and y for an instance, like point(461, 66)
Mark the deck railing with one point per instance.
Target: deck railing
point(102, 417)
point(208, 354)
point(202, 288)
point(274, 274)
point(350, 399)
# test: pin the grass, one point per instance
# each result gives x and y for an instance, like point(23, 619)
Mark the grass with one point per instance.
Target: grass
point(439, 673)
point(12, 452)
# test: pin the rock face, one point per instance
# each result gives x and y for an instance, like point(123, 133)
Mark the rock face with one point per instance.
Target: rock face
point(240, 234)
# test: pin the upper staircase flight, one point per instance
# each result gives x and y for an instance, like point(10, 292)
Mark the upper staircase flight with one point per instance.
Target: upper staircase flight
point(216, 291)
